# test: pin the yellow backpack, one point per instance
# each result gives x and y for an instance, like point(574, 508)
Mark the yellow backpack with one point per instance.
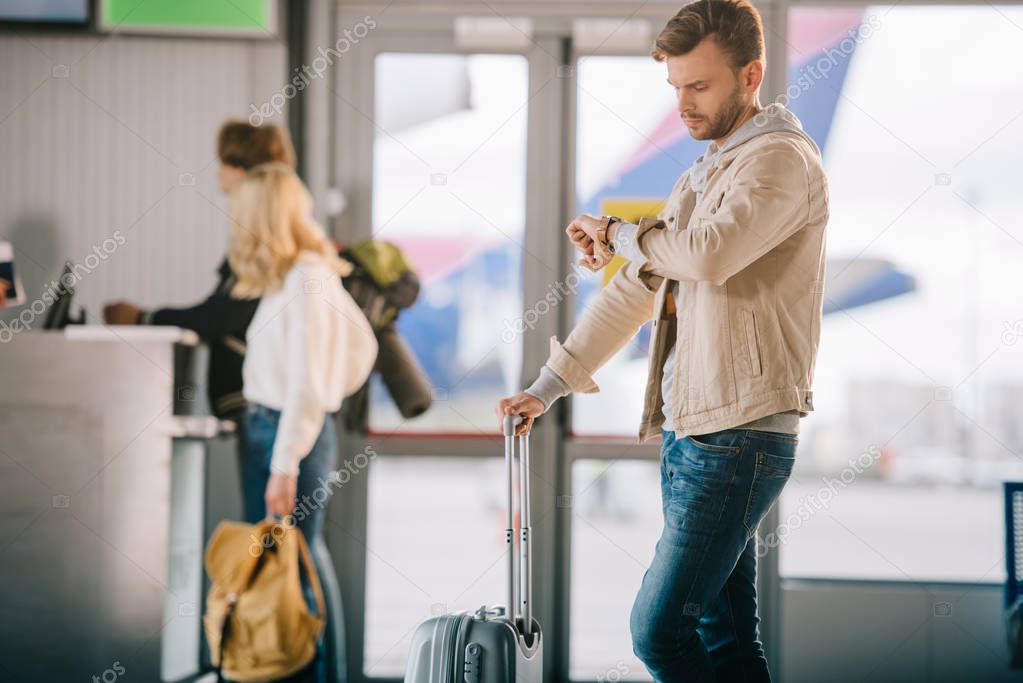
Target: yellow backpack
point(257, 623)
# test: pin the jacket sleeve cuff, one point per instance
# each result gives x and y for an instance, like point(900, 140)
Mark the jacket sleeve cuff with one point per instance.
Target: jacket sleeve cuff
point(548, 387)
point(625, 243)
point(283, 462)
point(571, 371)
point(645, 226)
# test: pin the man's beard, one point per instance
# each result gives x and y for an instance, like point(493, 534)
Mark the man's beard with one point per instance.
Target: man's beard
point(727, 116)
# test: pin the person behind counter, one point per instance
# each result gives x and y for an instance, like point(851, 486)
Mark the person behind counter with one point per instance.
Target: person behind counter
point(220, 320)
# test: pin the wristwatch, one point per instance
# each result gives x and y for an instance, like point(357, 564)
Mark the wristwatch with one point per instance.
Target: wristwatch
point(605, 225)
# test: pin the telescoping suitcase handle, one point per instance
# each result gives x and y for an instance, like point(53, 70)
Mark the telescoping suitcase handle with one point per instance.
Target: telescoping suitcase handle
point(523, 607)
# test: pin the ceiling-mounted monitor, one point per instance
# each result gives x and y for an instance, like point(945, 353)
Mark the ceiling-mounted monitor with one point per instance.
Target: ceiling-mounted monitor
point(73, 12)
point(240, 18)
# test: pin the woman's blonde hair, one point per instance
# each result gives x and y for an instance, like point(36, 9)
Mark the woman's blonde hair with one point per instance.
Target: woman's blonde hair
point(271, 224)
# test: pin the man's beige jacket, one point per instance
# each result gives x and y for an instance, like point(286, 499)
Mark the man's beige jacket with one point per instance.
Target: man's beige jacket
point(749, 260)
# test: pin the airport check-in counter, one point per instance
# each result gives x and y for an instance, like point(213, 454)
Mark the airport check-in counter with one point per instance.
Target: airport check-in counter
point(104, 509)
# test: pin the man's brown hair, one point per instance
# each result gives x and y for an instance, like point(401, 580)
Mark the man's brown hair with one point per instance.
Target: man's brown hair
point(243, 145)
point(735, 25)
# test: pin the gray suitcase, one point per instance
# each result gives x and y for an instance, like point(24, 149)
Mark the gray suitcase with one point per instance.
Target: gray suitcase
point(487, 645)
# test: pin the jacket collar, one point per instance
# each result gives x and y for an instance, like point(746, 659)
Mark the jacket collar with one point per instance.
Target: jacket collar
point(773, 118)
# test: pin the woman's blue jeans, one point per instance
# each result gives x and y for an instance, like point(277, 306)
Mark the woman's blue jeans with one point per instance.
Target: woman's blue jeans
point(695, 617)
point(314, 469)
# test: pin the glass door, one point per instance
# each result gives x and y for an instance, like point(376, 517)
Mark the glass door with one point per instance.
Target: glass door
point(449, 188)
point(630, 149)
point(451, 163)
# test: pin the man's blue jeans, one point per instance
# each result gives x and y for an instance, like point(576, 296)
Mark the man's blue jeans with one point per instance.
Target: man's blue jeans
point(695, 618)
point(313, 470)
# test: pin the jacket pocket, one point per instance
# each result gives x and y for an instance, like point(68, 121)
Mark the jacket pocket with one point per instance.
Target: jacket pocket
point(752, 343)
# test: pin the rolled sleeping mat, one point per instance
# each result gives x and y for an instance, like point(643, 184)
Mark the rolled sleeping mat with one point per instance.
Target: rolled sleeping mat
point(404, 377)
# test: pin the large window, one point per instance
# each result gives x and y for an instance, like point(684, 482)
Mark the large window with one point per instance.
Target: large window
point(919, 377)
point(628, 159)
point(920, 369)
point(614, 532)
point(449, 180)
point(920, 373)
point(435, 544)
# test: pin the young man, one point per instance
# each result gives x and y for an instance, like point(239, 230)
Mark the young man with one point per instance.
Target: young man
point(731, 273)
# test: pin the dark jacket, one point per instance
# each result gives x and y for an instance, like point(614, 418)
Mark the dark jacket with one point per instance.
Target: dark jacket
point(221, 322)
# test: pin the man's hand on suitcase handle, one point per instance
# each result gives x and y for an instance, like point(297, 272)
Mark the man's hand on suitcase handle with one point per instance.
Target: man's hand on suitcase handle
point(526, 405)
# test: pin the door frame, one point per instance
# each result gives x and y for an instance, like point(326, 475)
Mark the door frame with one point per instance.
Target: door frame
point(353, 93)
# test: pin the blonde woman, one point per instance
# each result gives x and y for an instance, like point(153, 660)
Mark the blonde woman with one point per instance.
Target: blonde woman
point(299, 364)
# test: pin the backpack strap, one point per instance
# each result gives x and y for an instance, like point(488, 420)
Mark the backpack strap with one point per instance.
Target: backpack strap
point(225, 629)
point(314, 577)
point(248, 574)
